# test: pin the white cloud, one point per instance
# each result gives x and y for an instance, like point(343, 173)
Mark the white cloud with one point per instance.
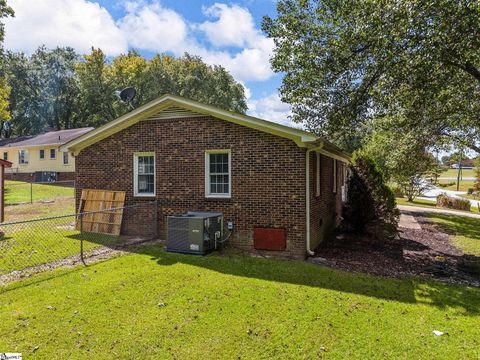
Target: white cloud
point(77, 23)
point(82, 24)
point(271, 108)
point(234, 27)
point(153, 27)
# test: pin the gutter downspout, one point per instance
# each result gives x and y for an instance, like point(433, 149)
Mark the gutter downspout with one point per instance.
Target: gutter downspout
point(307, 194)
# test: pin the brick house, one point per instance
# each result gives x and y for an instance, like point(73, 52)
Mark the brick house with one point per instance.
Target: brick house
point(190, 156)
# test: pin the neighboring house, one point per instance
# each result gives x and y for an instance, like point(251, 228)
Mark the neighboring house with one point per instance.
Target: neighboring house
point(189, 156)
point(37, 158)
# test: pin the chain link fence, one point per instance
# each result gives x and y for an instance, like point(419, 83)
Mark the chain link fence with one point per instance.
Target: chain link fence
point(61, 240)
point(19, 192)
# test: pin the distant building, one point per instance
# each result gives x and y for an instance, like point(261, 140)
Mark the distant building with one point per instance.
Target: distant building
point(37, 159)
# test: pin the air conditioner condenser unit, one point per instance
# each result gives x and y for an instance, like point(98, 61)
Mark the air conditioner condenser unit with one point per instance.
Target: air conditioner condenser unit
point(194, 232)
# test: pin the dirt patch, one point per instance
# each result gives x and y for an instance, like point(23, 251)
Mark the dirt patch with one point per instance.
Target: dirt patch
point(423, 250)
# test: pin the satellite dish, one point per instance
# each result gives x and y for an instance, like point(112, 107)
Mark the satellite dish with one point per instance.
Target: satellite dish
point(127, 94)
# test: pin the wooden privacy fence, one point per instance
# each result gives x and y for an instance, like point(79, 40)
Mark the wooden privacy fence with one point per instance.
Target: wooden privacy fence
point(95, 219)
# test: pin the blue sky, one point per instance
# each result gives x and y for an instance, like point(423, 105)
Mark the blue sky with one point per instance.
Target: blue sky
point(221, 32)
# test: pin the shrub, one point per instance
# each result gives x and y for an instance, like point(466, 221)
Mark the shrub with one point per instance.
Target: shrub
point(470, 191)
point(370, 202)
point(451, 183)
point(445, 201)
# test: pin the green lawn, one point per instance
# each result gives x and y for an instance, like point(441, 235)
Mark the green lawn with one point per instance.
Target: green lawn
point(26, 245)
point(464, 185)
point(33, 243)
point(19, 192)
point(471, 196)
point(453, 173)
point(428, 204)
point(465, 231)
point(158, 305)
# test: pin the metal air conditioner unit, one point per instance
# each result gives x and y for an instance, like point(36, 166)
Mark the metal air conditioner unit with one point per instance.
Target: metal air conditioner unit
point(194, 232)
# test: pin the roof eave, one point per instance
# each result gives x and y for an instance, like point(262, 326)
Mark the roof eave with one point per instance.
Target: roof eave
point(300, 137)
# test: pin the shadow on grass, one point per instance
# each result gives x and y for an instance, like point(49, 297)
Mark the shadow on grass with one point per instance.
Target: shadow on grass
point(409, 290)
point(458, 225)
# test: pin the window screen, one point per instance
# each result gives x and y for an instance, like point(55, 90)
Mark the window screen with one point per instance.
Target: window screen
point(219, 174)
point(145, 181)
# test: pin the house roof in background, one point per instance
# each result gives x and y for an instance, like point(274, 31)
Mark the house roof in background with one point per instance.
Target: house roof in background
point(5, 142)
point(59, 137)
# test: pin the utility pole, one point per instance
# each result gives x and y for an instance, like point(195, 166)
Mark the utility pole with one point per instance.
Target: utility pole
point(459, 169)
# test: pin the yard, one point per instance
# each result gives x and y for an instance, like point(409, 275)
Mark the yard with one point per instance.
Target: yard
point(165, 305)
point(453, 173)
point(427, 204)
point(464, 185)
point(465, 231)
point(22, 192)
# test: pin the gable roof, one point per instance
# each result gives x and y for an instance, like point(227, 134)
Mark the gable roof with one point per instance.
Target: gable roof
point(173, 106)
point(50, 138)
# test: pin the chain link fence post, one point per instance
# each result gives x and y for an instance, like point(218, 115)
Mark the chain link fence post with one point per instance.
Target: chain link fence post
point(31, 193)
point(81, 239)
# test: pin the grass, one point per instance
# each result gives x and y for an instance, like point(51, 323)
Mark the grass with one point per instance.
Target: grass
point(465, 231)
point(471, 196)
point(163, 305)
point(61, 206)
point(453, 173)
point(28, 245)
point(25, 245)
point(464, 185)
point(429, 204)
point(19, 192)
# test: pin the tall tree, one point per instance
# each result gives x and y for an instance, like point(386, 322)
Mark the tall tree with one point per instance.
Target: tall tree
point(190, 77)
point(5, 11)
point(58, 92)
point(346, 62)
point(59, 89)
point(97, 90)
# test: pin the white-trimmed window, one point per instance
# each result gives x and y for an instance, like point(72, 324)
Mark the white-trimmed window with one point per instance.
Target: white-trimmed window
point(65, 158)
point(334, 176)
point(41, 154)
point(144, 174)
point(53, 153)
point(218, 174)
point(317, 193)
point(23, 157)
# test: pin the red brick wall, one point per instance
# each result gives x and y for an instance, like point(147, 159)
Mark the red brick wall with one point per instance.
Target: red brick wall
point(268, 175)
point(326, 209)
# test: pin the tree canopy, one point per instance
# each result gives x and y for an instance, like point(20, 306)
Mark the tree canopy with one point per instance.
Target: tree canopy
point(347, 63)
point(5, 11)
point(59, 89)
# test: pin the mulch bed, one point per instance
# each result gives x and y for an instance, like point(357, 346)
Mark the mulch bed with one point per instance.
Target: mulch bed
point(426, 252)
